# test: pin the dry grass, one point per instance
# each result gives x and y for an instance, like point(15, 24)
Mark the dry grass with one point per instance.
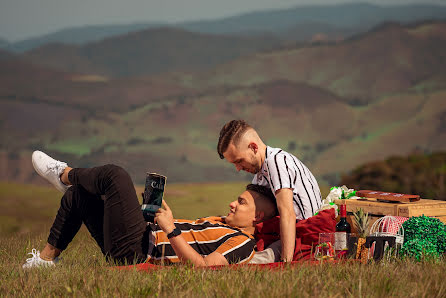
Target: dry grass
point(84, 272)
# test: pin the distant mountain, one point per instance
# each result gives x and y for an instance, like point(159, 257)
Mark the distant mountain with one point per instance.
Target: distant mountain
point(5, 54)
point(148, 52)
point(341, 15)
point(388, 59)
point(79, 35)
point(3, 43)
point(335, 106)
point(346, 19)
point(315, 32)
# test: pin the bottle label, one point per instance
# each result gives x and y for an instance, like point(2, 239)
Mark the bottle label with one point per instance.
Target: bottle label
point(340, 241)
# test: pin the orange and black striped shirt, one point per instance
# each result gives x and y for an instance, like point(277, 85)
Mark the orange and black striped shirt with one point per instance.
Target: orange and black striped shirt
point(205, 235)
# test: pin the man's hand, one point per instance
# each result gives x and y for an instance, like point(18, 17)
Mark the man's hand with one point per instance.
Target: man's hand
point(164, 218)
point(184, 251)
point(284, 198)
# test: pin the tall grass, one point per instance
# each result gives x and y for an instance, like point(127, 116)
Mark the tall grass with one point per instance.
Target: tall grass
point(84, 272)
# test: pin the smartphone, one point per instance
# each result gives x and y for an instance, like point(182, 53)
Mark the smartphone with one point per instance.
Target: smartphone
point(153, 195)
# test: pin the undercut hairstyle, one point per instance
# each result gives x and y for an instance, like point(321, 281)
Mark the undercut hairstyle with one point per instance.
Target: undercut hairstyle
point(266, 193)
point(231, 132)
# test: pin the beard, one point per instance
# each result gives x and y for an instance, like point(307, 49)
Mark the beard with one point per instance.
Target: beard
point(255, 167)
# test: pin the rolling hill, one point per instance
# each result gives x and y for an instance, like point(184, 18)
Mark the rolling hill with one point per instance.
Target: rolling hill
point(345, 15)
point(335, 106)
point(148, 52)
point(293, 24)
point(389, 59)
point(3, 43)
point(78, 35)
point(5, 55)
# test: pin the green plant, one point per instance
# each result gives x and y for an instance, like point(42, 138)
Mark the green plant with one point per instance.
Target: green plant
point(424, 237)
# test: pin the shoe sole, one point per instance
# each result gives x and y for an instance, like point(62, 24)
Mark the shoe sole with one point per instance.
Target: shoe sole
point(37, 170)
point(43, 175)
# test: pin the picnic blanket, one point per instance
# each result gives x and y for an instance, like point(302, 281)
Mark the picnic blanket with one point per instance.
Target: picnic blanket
point(147, 267)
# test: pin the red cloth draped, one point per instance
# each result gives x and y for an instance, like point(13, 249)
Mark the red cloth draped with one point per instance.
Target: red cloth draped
point(307, 232)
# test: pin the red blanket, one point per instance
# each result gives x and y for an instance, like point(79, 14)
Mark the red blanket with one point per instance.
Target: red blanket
point(147, 267)
point(307, 233)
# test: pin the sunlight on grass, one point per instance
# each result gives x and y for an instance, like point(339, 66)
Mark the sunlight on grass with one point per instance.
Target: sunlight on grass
point(83, 270)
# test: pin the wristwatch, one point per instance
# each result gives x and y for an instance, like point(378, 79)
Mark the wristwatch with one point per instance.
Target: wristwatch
point(174, 233)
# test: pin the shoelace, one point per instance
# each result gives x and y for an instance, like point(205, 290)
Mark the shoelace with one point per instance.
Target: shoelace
point(35, 257)
point(57, 167)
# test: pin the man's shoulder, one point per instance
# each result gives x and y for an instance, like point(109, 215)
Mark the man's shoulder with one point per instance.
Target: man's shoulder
point(211, 219)
point(276, 153)
point(220, 220)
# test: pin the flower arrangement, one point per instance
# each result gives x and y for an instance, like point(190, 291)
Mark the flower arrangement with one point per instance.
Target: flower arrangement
point(337, 193)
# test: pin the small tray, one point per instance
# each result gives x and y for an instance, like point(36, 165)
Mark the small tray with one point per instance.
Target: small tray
point(387, 196)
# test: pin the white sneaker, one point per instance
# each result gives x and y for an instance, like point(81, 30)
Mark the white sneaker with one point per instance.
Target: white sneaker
point(50, 169)
point(37, 261)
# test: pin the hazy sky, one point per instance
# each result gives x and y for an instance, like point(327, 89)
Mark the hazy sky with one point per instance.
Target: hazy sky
point(21, 19)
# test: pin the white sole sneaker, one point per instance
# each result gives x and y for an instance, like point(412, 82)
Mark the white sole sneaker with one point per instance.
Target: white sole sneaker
point(36, 261)
point(50, 169)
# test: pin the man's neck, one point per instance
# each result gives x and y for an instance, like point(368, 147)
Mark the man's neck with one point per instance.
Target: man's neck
point(248, 230)
point(262, 151)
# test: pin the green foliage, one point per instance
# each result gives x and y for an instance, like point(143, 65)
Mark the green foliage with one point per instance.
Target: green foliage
point(424, 237)
point(419, 249)
point(423, 174)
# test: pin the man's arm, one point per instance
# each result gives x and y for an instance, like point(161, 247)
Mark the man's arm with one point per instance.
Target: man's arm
point(284, 198)
point(183, 250)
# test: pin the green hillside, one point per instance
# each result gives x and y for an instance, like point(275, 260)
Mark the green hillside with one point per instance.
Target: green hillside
point(150, 51)
point(334, 106)
point(387, 60)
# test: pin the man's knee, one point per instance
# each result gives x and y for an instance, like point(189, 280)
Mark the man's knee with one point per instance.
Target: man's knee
point(68, 198)
point(116, 172)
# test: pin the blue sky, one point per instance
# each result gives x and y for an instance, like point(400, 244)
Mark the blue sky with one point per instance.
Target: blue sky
point(20, 19)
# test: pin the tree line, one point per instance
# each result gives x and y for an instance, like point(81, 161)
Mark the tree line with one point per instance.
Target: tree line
point(418, 173)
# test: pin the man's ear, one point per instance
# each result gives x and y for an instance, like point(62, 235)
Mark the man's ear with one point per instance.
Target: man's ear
point(260, 216)
point(253, 146)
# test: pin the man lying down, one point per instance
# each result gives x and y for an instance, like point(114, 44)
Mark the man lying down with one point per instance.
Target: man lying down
point(104, 199)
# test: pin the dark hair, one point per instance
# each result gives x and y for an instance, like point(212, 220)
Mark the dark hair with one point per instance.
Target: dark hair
point(231, 131)
point(265, 192)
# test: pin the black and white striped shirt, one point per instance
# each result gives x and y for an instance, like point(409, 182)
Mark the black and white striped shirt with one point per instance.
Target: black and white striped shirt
point(283, 170)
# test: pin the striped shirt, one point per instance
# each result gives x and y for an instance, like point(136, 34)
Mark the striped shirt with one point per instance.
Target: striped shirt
point(205, 235)
point(283, 170)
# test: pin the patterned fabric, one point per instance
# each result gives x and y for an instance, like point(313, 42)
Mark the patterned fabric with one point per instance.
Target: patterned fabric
point(392, 224)
point(284, 170)
point(205, 235)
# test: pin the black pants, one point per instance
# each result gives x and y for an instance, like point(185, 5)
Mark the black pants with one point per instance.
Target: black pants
point(115, 222)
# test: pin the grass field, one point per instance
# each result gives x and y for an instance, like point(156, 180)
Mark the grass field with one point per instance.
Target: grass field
point(26, 212)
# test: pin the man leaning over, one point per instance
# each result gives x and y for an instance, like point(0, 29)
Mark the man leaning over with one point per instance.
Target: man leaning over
point(294, 186)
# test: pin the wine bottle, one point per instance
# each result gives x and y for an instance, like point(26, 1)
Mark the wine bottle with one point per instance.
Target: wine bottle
point(342, 228)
